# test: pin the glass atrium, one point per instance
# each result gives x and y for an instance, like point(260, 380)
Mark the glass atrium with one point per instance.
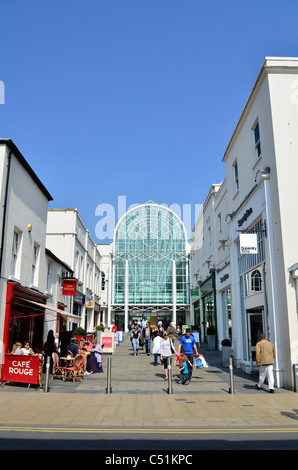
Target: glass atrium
point(150, 260)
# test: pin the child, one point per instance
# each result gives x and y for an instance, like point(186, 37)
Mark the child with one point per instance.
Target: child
point(178, 358)
point(184, 373)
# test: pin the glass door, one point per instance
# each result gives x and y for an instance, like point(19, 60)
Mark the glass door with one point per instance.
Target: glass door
point(255, 327)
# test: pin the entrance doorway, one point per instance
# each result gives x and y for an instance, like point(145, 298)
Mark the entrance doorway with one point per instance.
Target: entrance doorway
point(254, 328)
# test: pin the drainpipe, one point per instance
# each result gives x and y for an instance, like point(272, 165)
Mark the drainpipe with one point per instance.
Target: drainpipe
point(5, 210)
point(7, 310)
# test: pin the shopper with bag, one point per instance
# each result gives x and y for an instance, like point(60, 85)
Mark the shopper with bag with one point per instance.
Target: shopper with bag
point(166, 350)
point(188, 343)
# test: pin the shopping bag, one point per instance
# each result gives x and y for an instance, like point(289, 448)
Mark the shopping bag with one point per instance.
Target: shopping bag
point(201, 362)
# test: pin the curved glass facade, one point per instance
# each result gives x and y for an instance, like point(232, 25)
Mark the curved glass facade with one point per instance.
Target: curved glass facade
point(150, 261)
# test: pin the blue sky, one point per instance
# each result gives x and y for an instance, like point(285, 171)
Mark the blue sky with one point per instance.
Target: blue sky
point(134, 98)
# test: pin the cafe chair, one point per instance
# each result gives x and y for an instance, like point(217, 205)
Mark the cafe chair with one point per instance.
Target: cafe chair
point(58, 370)
point(77, 370)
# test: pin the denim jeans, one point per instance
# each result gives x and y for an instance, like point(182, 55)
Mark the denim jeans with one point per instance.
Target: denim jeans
point(184, 377)
point(156, 359)
point(147, 345)
point(190, 358)
point(135, 345)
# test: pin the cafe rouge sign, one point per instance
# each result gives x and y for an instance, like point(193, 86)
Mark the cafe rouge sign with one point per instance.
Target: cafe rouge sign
point(18, 368)
point(69, 286)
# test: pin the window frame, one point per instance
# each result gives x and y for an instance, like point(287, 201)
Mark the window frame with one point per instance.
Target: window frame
point(236, 175)
point(15, 255)
point(257, 141)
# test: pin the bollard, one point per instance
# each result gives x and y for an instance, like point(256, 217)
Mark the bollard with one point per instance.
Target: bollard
point(231, 390)
point(46, 387)
point(109, 388)
point(169, 367)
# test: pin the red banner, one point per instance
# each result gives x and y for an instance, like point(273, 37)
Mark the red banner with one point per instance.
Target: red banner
point(20, 368)
point(107, 341)
point(69, 287)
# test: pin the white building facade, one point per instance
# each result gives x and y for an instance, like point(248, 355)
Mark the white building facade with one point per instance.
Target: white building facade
point(23, 215)
point(70, 240)
point(257, 292)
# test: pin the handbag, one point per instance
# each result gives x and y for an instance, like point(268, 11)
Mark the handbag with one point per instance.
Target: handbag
point(201, 362)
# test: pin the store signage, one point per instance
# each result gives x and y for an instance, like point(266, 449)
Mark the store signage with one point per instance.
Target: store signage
point(20, 368)
point(248, 244)
point(90, 304)
point(69, 287)
point(244, 217)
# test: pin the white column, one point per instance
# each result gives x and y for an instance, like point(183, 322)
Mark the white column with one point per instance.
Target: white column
point(126, 297)
point(110, 293)
point(272, 285)
point(174, 290)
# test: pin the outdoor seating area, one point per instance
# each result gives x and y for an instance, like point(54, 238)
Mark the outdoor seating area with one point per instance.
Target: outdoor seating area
point(69, 367)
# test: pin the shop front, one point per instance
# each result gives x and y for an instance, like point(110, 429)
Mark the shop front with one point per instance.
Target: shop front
point(208, 296)
point(24, 321)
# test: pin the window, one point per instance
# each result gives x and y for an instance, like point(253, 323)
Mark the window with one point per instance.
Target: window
point(16, 242)
point(257, 142)
point(256, 281)
point(219, 225)
point(236, 176)
point(253, 282)
point(49, 281)
point(34, 264)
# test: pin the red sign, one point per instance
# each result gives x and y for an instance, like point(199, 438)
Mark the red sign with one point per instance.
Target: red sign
point(69, 287)
point(20, 368)
point(107, 341)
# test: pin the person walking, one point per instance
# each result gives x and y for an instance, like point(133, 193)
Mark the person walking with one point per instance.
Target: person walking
point(171, 331)
point(184, 371)
point(166, 351)
point(147, 335)
point(188, 343)
point(156, 346)
point(135, 340)
point(265, 354)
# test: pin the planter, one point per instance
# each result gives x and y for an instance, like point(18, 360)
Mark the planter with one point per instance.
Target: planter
point(211, 342)
point(226, 354)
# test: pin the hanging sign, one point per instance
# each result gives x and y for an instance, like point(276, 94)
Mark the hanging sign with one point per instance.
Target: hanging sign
point(69, 287)
point(248, 244)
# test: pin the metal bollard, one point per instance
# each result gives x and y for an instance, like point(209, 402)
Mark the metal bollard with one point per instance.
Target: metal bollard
point(109, 388)
point(169, 367)
point(46, 387)
point(231, 390)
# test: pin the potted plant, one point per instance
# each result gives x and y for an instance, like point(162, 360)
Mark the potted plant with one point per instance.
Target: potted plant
point(99, 329)
point(211, 338)
point(79, 332)
point(226, 352)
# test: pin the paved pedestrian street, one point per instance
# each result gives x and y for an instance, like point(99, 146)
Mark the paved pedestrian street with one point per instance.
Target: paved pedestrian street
point(140, 398)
